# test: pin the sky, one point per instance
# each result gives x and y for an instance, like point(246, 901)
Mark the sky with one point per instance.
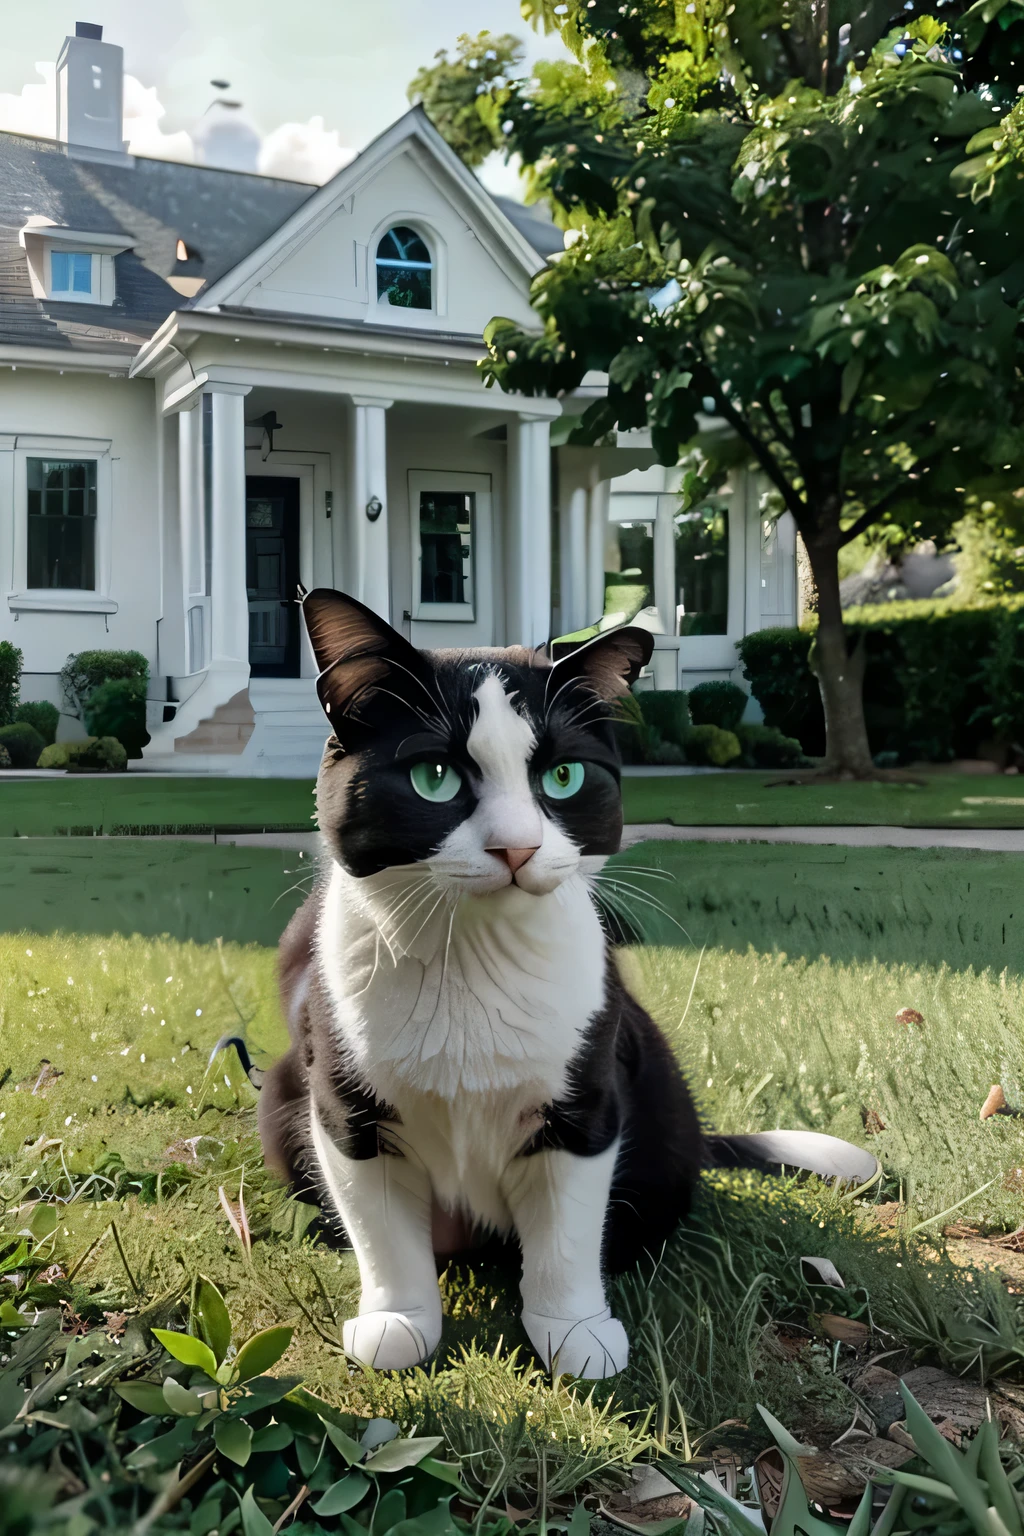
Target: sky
point(318, 78)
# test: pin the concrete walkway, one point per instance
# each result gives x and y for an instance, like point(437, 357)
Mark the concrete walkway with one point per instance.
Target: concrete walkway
point(987, 840)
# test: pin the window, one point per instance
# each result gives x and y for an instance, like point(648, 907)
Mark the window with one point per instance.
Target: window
point(702, 570)
point(404, 270)
point(70, 272)
point(62, 523)
point(446, 531)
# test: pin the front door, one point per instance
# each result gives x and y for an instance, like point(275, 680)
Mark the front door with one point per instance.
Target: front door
point(272, 574)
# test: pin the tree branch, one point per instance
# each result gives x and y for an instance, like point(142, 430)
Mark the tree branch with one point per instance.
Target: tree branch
point(764, 457)
point(864, 522)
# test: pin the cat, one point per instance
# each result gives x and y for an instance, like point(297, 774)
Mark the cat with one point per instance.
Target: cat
point(465, 1056)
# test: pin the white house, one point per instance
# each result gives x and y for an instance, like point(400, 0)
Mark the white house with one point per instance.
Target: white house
point(215, 385)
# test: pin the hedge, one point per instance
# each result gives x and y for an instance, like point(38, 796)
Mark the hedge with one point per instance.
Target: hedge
point(23, 743)
point(43, 716)
point(82, 674)
point(10, 681)
point(93, 755)
point(939, 680)
point(118, 708)
point(718, 703)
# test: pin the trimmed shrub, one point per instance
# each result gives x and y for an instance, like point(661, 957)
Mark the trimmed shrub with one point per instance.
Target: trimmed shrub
point(711, 746)
point(5, 758)
point(23, 743)
point(82, 674)
point(938, 679)
point(720, 704)
point(118, 708)
point(43, 716)
point(93, 755)
point(664, 710)
point(10, 681)
point(765, 746)
point(636, 739)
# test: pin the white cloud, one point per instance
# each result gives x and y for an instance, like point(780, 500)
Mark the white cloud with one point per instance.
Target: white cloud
point(142, 113)
point(33, 110)
point(304, 152)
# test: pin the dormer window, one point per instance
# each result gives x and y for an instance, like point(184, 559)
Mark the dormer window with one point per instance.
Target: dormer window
point(404, 270)
point(70, 274)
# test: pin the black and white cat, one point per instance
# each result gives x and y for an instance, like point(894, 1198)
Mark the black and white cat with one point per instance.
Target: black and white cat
point(465, 1057)
point(463, 1046)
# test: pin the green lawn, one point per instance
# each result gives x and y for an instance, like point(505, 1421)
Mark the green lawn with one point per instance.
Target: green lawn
point(780, 997)
point(746, 799)
point(137, 802)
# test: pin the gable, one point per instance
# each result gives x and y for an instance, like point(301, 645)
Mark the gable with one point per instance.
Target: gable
point(322, 263)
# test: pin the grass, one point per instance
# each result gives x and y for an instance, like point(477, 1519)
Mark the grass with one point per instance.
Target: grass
point(136, 803)
point(141, 803)
point(781, 1001)
point(746, 800)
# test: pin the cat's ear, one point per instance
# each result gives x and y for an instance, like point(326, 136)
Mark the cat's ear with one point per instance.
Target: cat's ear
point(356, 651)
point(609, 664)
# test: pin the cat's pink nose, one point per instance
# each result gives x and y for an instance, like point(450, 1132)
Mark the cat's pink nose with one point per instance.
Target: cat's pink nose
point(515, 858)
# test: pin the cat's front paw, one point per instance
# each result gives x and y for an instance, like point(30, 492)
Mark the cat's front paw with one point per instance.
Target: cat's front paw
point(592, 1347)
point(387, 1341)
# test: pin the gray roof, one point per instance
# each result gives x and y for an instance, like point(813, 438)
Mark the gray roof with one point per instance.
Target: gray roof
point(221, 216)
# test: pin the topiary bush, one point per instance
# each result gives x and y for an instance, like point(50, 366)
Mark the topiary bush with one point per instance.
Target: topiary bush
point(717, 703)
point(775, 664)
point(82, 674)
point(23, 743)
point(5, 758)
point(765, 746)
point(665, 710)
point(10, 681)
point(118, 708)
point(710, 746)
point(43, 716)
point(93, 755)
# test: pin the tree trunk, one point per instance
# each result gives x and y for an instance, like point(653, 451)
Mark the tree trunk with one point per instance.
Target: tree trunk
point(840, 674)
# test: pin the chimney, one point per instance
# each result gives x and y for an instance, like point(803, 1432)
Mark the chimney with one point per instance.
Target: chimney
point(90, 92)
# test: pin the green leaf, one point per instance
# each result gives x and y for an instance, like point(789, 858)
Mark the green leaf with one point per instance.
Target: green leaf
point(189, 1350)
point(272, 1437)
point(180, 1400)
point(12, 1398)
point(263, 1350)
point(786, 1443)
point(145, 1396)
point(435, 1522)
point(444, 1471)
point(163, 1452)
point(233, 1439)
point(254, 1521)
point(343, 1495)
point(10, 1317)
point(350, 1449)
point(945, 1461)
point(378, 1432)
point(390, 1511)
point(399, 1454)
point(210, 1318)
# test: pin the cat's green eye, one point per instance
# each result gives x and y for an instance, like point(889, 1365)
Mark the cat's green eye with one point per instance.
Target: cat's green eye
point(562, 781)
point(435, 781)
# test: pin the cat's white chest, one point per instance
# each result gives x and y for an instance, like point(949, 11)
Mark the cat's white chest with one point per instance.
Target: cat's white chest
point(492, 995)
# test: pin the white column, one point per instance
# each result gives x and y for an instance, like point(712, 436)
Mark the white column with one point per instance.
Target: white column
point(528, 531)
point(229, 603)
point(665, 563)
point(598, 505)
point(10, 577)
point(368, 486)
point(573, 560)
point(190, 500)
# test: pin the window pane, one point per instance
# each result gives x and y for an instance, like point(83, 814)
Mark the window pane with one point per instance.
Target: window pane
point(81, 272)
point(635, 575)
point(446, 546)
point(702, 570)
point(59, 271)
point(404, 270)
point(62, 523)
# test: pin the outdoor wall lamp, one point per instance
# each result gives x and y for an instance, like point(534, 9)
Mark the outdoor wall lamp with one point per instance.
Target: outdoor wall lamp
point(374, 508)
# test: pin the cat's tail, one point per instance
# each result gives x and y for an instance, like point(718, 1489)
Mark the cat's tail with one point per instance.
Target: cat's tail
point(807, 1151)
point(253, 1073)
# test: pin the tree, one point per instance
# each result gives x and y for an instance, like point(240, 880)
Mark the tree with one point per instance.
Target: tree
point(806, 219)
point(458, 94)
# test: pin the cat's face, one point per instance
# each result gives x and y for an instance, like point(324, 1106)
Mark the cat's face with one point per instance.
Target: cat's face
point(490, 768)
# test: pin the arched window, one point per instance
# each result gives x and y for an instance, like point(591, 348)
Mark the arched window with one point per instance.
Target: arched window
point(404, 269)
